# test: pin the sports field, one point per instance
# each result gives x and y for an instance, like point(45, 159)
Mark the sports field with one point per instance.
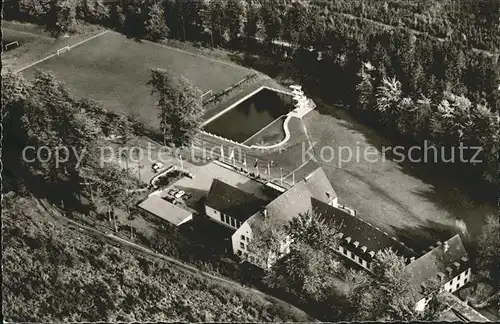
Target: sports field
point(35, 43)
point(115, 70)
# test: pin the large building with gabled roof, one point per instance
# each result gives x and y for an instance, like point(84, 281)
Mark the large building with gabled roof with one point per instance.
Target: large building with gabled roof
point(242, 211)
point(447, 262)
point(359, 240)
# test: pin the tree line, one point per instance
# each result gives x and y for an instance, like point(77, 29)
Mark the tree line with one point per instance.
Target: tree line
point(442, 91)
point(319, 277)
point(54, 274)
point(473, 22)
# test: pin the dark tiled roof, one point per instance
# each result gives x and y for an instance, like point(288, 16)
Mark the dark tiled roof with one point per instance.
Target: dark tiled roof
point(319, 186)
point(165, 210)
point(447, 255)
point(290, 204)
point(360, 231)
point(297, 200)
point(233, 201)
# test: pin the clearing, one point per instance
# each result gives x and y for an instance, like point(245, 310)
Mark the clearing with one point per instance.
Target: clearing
point(115, 70)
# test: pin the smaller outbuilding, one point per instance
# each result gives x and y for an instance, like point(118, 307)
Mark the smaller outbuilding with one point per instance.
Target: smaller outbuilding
point(159, 207)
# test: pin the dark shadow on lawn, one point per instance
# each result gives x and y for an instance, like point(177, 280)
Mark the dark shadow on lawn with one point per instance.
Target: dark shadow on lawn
point(463, 199)
point(441, 176)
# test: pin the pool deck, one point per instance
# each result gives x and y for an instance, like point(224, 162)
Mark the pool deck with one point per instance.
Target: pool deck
point(204, 176)
point(298, 112)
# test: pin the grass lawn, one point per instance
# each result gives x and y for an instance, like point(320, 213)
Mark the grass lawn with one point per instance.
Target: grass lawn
point(388, 194)
point(115, 70)
point(35, 43)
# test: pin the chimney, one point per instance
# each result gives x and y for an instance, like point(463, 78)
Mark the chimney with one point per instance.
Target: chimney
point(440, 276)
point(438, 243)
point(457, 265)
point(464, 259)
point(412, 259)
point(446, 246)
point(449, 271)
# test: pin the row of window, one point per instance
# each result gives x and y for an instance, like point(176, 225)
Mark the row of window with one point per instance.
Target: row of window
point(353, 256)
point(230, 221)
point(245, 238)
point(458, 283)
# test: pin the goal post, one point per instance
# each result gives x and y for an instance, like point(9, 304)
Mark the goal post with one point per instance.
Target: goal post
point(11, 44)
point(62, 50)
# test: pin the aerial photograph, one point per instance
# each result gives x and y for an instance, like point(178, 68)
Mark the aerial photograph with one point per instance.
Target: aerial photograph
point(250, 161)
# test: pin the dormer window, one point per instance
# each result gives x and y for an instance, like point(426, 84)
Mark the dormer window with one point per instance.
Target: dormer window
point(348, 239)
point(364, 248)
point(356, 244)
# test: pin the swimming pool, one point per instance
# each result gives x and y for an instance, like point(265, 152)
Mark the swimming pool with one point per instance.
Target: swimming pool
point(251, 115)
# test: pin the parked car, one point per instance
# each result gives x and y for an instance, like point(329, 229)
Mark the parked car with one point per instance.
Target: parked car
point(179, 194)
point(172, 192)
point(189, 175)
point(170, 200)
point(157, 166)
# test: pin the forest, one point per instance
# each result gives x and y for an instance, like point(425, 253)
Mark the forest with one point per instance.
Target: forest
point(433, 76)
point(55, 274)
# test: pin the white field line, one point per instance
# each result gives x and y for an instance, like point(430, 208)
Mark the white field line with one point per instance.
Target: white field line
point(26, 33)
point(274, 121)
point(55, 54)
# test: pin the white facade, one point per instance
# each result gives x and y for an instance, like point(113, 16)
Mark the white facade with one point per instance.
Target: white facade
point(334, 202)
point(242, 238)
point(354, 257)
point(450, 286)
point(222, 218)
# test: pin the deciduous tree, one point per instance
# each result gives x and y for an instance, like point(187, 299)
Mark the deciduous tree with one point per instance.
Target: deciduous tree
point(489, 248)
point(179, 107)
